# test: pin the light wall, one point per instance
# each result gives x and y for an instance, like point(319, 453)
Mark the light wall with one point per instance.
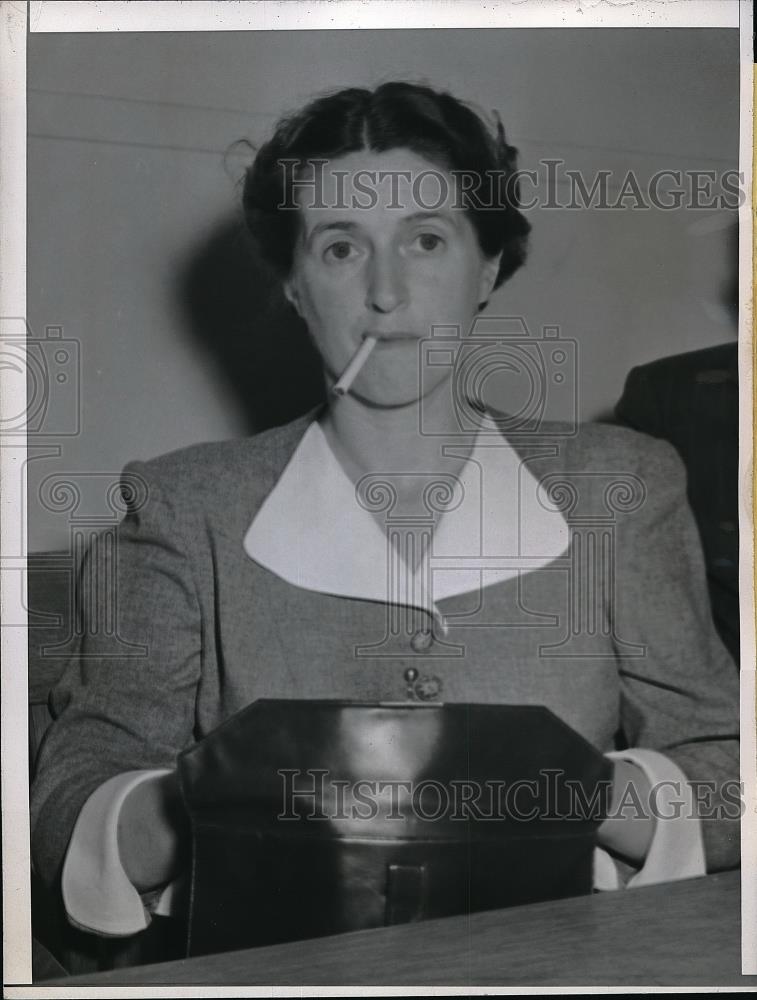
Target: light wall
point(131, 176)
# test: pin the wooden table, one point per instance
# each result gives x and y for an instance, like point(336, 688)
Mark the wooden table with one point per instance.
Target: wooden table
point(685, 933)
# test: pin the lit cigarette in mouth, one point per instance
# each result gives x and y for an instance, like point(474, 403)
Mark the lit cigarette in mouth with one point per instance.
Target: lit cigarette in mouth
point(351, 371)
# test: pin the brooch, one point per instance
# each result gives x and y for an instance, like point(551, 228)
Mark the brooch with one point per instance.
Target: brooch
point(427, 687)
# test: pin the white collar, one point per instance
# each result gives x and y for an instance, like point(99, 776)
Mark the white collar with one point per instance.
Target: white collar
point(313, 531)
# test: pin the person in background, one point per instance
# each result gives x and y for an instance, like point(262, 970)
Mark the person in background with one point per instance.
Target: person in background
point(692, 401)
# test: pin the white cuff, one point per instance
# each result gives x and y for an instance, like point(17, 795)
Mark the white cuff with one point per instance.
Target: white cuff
point(677, 849)
point(97, 893)
point(606, 877)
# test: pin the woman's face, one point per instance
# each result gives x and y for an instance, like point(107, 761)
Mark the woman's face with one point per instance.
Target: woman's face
point(380, 253)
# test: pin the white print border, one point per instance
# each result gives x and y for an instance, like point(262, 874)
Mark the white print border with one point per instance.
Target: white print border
point(200, 15)
point(53, 15)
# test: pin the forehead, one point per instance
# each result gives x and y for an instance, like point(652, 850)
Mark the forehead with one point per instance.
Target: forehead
point(371, 188)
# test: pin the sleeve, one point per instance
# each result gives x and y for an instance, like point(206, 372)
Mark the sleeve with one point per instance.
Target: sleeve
point(97, 893)
point(677, 850)
point(126, 701)
point(679, 691)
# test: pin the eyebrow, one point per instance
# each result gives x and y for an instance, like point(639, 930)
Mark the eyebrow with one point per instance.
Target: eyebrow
point(322, 227)
point(430, 216)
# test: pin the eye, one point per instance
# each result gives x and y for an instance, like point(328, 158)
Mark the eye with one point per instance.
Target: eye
point(429, 242)
point(341, 250)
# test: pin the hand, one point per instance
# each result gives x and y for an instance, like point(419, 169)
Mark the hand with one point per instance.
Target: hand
point(630, 826)
point(153, 832)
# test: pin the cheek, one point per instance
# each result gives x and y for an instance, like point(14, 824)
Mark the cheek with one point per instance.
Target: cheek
point(326, 296)
point(452, 297)
point(459, 276)
point(331, 312)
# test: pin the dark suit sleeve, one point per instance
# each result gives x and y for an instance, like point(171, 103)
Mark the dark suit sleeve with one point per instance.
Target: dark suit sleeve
point(681, 696)
point(638, 407)
point(126, 701)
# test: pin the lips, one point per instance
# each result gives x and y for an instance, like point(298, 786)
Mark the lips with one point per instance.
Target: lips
point(393, 335)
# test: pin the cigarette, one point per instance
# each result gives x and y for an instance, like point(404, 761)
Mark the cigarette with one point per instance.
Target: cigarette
point(351, 371)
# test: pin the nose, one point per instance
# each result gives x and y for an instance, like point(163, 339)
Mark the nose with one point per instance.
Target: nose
point(386, 284)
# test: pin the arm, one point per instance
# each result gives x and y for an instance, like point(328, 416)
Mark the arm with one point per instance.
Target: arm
point(126, 702)
point(97, 893)
point(628, 836)
point(674, 849)
point(681, 697)
point(152, 833)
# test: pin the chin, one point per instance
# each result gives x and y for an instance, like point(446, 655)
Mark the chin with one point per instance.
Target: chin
point(394, 395)
point(385, 400)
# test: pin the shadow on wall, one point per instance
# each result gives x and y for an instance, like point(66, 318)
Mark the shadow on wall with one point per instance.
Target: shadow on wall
point(237, 313)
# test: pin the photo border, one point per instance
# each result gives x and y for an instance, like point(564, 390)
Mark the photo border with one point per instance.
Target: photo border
point(17, 20)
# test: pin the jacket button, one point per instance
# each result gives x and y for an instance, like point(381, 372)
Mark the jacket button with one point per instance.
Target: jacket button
point(421, 641)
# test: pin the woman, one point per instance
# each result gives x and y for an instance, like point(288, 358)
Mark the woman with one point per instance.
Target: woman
point(260, 568)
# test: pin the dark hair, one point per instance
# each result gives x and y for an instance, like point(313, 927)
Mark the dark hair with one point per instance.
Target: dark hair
point(431, 123)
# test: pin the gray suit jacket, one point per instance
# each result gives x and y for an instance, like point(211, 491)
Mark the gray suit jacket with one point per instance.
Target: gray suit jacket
point(211, 630)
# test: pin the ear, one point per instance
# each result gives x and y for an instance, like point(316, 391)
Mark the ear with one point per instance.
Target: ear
point(489, 272)
point(291, 295)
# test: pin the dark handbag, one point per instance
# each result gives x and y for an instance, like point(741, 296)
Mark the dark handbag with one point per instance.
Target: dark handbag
point(318, 817)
